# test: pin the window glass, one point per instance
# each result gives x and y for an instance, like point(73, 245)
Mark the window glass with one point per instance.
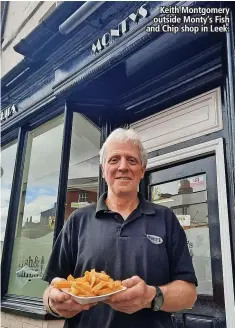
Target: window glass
point(36, 216)
point(8, 156)
point(188, 200)
point(82, 188)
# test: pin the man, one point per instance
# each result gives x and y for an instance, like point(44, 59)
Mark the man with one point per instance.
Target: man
point(132, 240)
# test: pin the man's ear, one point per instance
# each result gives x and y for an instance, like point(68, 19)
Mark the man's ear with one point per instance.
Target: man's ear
point(102, 170)
point(143, 172)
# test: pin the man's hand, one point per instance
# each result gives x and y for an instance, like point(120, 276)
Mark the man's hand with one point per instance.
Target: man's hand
point(63, 304)
point(137, 296)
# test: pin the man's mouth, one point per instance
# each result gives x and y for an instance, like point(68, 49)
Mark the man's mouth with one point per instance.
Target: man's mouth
point(123, 178)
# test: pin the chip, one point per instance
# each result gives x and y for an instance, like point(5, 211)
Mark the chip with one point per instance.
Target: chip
point(91, 284)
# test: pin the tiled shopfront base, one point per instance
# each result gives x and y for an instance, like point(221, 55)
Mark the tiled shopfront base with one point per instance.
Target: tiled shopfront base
point(16, 321)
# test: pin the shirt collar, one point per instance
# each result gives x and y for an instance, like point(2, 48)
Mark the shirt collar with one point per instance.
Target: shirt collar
point(145, 206)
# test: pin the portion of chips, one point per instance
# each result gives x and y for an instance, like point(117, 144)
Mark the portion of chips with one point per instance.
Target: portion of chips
point(91, 284)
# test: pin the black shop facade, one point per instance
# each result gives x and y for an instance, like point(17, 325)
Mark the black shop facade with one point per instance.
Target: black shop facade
point(86, 70)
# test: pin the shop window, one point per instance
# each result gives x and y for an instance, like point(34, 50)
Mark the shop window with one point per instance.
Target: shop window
point(8, 156)
point(188, 200)
point(82, 187)
point(36, 216)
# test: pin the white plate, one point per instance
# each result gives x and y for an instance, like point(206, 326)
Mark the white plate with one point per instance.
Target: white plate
point(93, 299)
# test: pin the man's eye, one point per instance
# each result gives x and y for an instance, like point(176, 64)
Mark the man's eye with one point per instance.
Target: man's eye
point(113, 160)
point(132, 161)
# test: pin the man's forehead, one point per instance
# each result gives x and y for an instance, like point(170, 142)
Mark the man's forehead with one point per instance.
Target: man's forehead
point(127, 149)
point(121, 147)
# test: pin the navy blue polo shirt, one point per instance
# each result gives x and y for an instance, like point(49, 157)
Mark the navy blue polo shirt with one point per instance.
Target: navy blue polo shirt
point(150, 243)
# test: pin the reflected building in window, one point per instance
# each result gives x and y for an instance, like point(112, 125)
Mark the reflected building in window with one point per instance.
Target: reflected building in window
point(188, 200)
point(82, 187)
point(43, 227)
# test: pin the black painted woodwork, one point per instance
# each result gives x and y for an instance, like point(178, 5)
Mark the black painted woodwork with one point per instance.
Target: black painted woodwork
point(64, 170)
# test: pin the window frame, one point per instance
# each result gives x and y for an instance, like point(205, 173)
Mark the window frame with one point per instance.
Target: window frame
point(31, 306)
point(83, 197)
point(13, 210)
point(10, 139)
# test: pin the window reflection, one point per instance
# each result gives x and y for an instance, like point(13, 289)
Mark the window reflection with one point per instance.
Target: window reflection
point(188, 200)
point(36, 216)
point(82, 186)
point(8, 156)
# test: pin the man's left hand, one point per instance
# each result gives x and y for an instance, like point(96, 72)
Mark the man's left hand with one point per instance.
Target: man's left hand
point(137, 296)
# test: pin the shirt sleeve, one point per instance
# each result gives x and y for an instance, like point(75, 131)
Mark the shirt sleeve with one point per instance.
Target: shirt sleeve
point(181, 266)
point(60, 262)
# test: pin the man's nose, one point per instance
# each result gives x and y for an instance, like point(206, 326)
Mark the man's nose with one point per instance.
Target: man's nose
point(123, 165)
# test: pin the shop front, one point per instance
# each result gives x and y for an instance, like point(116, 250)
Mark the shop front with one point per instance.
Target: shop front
point(87, 70)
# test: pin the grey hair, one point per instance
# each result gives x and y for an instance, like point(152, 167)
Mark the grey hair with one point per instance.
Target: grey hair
point(124, 135)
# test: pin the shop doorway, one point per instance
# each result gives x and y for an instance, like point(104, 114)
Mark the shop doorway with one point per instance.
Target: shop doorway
point(190, 188)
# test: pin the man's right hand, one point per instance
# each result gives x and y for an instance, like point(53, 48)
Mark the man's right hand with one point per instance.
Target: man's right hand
point(63, 304)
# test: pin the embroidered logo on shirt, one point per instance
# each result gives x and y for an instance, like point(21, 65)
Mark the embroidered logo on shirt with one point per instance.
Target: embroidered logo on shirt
point(155, 239)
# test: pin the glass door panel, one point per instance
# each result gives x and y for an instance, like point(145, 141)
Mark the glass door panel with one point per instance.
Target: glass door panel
point(187, 198)
point(190, 190)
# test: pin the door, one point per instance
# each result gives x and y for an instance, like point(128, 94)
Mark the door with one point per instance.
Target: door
point(190, 190)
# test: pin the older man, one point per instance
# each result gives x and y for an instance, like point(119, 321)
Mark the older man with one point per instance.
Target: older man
point(131, 239)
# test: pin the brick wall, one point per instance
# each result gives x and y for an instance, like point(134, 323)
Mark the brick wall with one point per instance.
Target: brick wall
point(73, 196)
point(16, 321)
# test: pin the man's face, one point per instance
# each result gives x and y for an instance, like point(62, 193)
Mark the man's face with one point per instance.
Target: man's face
point(122, 169)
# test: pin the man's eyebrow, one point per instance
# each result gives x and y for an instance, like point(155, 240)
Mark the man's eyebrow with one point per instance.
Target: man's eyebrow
point(132, 156)
point(114, 155)
point(126, 155)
